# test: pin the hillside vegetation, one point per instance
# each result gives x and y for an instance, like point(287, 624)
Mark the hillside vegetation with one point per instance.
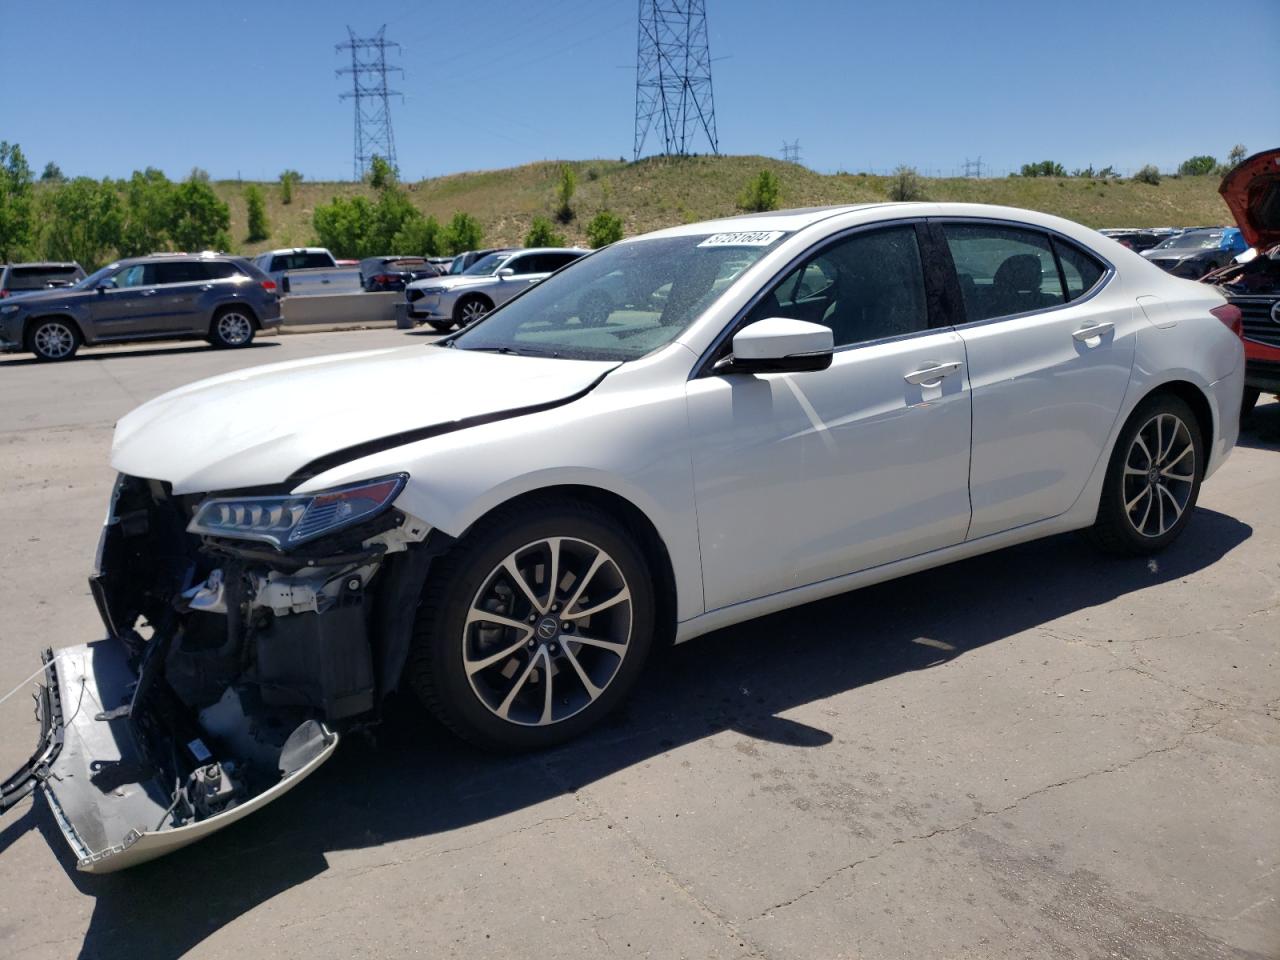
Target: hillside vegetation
point(660, 191)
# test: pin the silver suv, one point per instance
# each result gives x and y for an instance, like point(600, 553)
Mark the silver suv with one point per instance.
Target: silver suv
point(225, 300)
point(491, 281)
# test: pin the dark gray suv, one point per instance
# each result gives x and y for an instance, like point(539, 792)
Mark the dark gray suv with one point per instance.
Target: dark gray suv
point(222, 299)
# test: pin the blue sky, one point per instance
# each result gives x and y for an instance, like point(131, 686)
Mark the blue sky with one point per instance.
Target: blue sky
point(249, 89)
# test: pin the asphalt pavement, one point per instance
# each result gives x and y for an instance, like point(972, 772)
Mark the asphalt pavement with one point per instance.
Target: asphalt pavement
point(1038, 753)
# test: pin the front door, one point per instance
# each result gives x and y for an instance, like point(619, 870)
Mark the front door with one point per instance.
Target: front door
point(124, 299)
point(803, 477)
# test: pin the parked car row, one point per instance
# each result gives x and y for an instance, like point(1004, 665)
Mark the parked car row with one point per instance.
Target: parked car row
point(223, 299)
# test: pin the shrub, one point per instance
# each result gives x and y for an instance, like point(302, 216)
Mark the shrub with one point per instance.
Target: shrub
point(288, 179)
point(564, 193)
point(1045, 168)
point(761, 193)
point(542, 234)
point(343, 225)
point(52, 173)
point(15, 201)
point(461, 234)
point(1200, 166)
point(905, 185)
point(605, 228)
point(148, 211)
point(381, 173)
point(200, 220)
point(82, 221)
point(198, 174)
point(257, 213)
point(1148, 174)
point(419, 236)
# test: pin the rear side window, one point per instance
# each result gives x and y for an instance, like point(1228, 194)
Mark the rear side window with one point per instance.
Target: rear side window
point(1003, 270)
point(38, 278)
point(219, 270)
point(179, 271)
point(300, 261)
point(1081, 270)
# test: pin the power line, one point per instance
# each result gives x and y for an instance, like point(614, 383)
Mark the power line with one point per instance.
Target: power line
point(368, 71)
point(973, 168)
point(791, 151)
point(673, 75)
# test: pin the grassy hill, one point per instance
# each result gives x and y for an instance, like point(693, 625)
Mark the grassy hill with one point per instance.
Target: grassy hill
point(661, 191)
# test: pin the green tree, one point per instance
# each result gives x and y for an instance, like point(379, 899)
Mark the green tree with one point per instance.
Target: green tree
point(761, 193)
point(82, 222)
point(257, 214)
point(605, 228)
point(565, 188)
point(543, 234)
point(420, 237)
point(1237, 154)
point(461, 234)
point(15, 201)
point(148, 212)
point(1148, 174)
point(905, 185)
point(199, 174)
point(343, 225)
point(52, 173)
point(200, 220)
point(288, 180)
point(1045, 168)
point(381, 173)
point(1198, 166)
point(391, 214)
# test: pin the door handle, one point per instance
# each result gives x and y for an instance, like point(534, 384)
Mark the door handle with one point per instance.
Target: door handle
point(932, 375)
point(1096, 330)
point(149, 293)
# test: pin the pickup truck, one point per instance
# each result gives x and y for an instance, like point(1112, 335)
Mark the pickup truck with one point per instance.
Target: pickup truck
point(308, 271)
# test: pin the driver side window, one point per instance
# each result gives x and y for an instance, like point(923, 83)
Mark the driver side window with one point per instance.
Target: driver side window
point(138, 275)
point(868, 286)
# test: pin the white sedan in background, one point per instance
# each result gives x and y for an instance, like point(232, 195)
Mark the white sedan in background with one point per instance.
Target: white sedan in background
point(767, 411)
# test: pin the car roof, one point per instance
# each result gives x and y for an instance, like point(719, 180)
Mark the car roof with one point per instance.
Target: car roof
point(43, 264)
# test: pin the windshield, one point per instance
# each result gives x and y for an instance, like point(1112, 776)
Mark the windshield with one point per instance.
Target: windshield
point(95, 278)
point(621, 303)
point(487, 266)
point(1193, 240)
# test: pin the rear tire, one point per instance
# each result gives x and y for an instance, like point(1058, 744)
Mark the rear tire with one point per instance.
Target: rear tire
point(232, 327)
point(53, 339)
point(1153, 479)
point(554, 661)
point(1248, 402)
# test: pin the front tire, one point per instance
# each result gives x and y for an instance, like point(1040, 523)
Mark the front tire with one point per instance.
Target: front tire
point(1153, 479)
point(53, 339)
point(470, 309)
point(440, 326)
point(534, 627)
point(232, 328)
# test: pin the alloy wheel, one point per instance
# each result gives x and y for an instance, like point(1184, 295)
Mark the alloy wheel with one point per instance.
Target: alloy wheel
point(547, 631)
point(54, 340)
point(234, 329)
point(1159, 475)
point(472, 311)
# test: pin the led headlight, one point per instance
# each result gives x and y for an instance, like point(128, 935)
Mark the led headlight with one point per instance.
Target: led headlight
point(291, 520)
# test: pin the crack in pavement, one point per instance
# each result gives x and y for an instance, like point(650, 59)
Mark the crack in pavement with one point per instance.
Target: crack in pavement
point(940, 831)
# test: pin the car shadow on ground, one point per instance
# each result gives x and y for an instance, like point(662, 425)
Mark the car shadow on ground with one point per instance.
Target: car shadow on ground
point(1261, 430)
point(121, 353)
point(416, 781)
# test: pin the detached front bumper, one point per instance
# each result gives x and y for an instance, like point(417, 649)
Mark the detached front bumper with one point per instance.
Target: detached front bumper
point(116, 802)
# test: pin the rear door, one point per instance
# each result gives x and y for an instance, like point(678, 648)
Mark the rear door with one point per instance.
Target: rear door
point(1049, 363)
point(176, 304)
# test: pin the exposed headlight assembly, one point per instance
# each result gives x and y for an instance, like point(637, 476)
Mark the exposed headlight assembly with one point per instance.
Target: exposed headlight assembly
point(288, 521)
point(10, 308)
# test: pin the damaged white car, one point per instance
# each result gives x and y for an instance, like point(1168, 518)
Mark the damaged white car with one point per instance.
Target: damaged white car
point(771, 410)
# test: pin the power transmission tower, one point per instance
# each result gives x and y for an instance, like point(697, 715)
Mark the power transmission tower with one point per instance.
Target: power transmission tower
point(368, 70)
point(673, 75)
point(973, 168)
point(791, 151)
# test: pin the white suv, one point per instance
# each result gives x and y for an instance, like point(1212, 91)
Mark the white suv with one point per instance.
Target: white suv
point(489, 282)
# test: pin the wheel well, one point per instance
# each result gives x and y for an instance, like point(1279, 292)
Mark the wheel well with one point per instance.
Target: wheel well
point(647, 537)
point(1194, 398)
point(457, 307)
point(242, 307)
point(33, 322)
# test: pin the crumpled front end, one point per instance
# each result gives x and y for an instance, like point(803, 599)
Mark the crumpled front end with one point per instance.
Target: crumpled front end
point(228, 672)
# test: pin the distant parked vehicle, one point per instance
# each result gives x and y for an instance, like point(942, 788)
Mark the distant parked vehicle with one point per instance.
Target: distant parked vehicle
point(463, 261)
point(445, 302)
point(444, 263)
point(1137, 240)
point(394, 273)
point(1195, 252)
point(225, 300)
point(302, 271)
point(20, 278)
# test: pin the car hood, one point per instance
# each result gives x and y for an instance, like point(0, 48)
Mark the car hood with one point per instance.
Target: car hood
point(1191, 254)
point(258, 427)
point(43, 296)
point(1252, 192)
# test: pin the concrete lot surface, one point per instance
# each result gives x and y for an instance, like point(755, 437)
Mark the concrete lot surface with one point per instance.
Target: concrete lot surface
point(1039, 753)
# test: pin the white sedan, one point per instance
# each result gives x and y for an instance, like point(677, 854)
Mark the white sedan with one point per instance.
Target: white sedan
point(767, 410)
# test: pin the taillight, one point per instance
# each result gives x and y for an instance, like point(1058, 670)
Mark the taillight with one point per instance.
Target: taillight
point(3, 294)
point(383, 278)
point(268, 285)
point(1230, 314)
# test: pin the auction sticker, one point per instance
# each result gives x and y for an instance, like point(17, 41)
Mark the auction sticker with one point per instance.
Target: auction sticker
point(757, 238)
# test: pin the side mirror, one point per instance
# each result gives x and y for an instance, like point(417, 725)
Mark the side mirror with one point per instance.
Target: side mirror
point(506, 272)
point(103, 287)
point(779, 345)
